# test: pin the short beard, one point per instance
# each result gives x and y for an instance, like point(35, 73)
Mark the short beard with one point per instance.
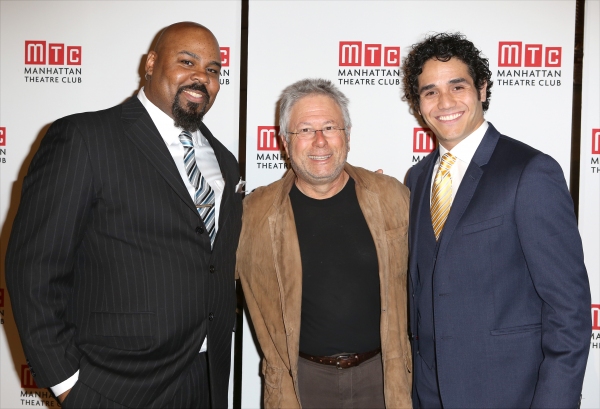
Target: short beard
point(189, 119)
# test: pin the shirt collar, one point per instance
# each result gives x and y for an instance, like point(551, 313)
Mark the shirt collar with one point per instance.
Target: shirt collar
point(465, 149)
point(164, 123)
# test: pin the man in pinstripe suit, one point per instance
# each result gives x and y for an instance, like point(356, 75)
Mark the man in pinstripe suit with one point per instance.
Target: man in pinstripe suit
point(120, 298)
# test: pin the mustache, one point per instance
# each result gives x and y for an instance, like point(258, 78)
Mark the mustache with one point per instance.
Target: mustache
point(196, 87)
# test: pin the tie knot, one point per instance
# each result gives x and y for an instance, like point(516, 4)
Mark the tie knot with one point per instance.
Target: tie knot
point(186, 138)
point(447, 161)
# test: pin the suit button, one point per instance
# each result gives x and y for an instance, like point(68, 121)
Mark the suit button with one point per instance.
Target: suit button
point(211, 316)
point(199, 230)
point(212, 269)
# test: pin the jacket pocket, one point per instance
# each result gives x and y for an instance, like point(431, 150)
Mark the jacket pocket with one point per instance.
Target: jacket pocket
point(484, 225)
point(273, 378)
point(126, 331)
point(516, 330)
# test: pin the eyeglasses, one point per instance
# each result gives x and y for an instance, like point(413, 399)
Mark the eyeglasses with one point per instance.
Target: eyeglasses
point(308, 133)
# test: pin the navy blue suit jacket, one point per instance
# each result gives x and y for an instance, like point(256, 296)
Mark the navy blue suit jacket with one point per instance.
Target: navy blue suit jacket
point(510, 290)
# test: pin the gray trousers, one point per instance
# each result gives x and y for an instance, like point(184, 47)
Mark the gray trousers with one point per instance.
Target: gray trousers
point(325, 386)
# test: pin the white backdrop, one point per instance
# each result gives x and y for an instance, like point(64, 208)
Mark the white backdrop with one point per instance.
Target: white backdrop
point(103, 44)
point(589, 197)
point(114, 37)
point(529, 45)
point(382, 136)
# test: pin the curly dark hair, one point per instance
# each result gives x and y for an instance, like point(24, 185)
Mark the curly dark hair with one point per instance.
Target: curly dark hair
point(444, 46)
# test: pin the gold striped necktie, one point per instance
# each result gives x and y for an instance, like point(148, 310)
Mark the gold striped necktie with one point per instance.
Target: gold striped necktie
point(441, 194)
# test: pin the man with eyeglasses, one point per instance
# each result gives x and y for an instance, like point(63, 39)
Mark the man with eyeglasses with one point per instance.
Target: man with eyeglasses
point(323, 259)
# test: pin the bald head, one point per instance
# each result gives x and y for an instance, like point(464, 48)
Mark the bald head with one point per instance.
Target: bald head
point(183, 73)
point(175, 29)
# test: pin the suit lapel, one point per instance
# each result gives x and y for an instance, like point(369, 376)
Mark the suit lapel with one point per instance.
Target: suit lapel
point(469, 184)
point(420, 197)
point(288, 265)
point(140, 129)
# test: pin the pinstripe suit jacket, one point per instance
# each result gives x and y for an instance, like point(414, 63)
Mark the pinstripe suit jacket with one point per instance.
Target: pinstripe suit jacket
point(109, 268)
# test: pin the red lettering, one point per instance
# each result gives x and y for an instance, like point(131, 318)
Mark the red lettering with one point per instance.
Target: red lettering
point(423, 140)
point(533, 55)
point(35, 52)
point(73, 55)
point(595, 141)
point(56, 54)
point(373, 55)
point(391, 56)
point(224, 56)
point(268, 138)
point(553, 56)
point(27, 380)
point(350, 53)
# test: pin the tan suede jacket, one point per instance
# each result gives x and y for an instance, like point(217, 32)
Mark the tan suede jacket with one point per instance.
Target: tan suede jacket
point(269, 267)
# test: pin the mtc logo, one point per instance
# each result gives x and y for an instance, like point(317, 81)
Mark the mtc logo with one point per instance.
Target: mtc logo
point(354, 54)
point(596, 316)
point(515, 54)
point(2, 136)
point(267, 138)
point(423, 140)
point(595, 141)
point(38, 53)
point(224, 56)
point(27, 381)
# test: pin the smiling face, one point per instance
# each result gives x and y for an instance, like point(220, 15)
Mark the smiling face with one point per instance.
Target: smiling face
point(318, 161)
point(184, 72)
point(450, 103)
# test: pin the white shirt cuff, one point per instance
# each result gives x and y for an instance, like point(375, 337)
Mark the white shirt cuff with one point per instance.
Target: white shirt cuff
point(203, 347)
point(65, 385)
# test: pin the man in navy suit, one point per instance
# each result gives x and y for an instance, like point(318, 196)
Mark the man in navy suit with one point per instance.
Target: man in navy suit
point(500, 298)
point(123, 292)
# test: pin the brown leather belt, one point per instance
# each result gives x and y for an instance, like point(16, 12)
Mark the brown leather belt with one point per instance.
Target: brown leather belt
point(342, 361)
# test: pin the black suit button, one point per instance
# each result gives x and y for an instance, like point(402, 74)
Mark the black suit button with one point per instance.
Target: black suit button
point(212, 269)
point(211, 316)
point(199, 230)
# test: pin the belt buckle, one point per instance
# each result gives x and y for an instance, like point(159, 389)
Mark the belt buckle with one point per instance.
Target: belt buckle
point(339, 358)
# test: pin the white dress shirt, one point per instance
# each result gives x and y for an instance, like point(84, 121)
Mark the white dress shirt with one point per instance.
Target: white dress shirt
point(205, 156)
point(464, 152)
point(207, 164)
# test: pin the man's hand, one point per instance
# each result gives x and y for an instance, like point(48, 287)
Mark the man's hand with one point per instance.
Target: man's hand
point(63, 396)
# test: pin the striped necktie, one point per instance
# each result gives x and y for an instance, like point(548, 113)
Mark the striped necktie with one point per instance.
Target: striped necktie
point(205, 196)
point(441, 194)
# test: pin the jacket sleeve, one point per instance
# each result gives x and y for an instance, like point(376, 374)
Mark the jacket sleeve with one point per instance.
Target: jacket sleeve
point(56, 201)
point(552, 247)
